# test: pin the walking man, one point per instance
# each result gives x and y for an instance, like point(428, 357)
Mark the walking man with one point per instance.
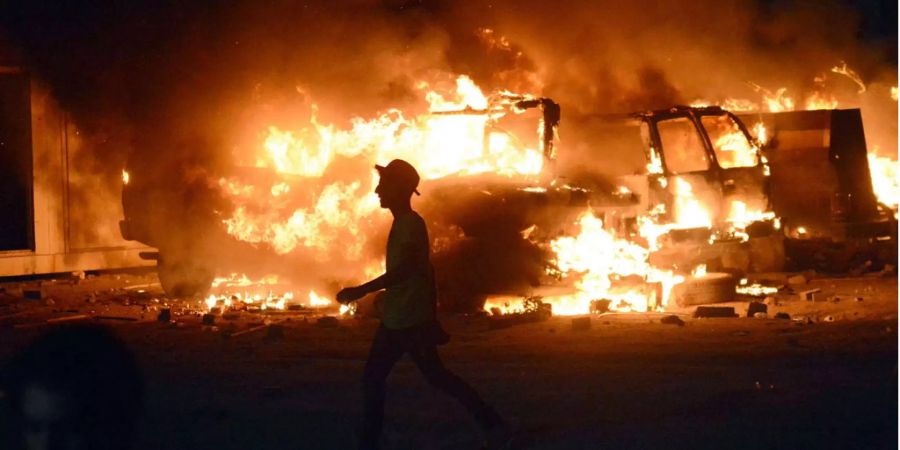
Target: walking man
point(409, 323)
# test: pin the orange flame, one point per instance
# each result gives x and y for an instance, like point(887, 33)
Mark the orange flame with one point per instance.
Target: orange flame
point(600, 264)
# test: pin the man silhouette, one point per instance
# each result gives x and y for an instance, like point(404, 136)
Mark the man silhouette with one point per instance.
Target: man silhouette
point(409, 322)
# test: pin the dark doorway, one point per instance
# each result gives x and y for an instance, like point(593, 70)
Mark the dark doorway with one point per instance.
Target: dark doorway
point(16, 229)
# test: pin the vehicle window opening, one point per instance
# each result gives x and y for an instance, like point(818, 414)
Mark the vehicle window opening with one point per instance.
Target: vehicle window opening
point(731, 146)
point(682, 146)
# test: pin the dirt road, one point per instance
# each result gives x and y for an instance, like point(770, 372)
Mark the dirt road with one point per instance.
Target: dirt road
point(627, 382)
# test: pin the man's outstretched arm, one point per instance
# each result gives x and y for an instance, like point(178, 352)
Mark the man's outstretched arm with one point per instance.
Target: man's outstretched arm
point(411, 263)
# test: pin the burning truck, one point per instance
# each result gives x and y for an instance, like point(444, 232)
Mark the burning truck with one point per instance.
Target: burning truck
point(613, 217)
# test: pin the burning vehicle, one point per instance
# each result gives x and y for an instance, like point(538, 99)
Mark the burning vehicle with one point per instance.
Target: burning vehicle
point(611, 218)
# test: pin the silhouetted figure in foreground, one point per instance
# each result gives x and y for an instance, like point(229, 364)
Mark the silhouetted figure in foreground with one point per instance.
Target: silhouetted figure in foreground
point(409, 323)
point(75, 388)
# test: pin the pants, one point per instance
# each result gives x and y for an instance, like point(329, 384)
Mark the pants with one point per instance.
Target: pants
point(387, 348)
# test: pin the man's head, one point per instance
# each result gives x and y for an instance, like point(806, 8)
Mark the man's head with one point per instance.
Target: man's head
point(398, 181)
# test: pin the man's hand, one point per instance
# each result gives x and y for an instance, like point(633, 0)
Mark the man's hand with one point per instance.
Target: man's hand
point(350, 294)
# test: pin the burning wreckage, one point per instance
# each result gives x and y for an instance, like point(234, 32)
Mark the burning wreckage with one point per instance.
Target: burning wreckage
point(636, 212)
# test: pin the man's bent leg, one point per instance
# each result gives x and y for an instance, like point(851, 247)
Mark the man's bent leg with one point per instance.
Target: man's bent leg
point(430, 364)
point(382, 357)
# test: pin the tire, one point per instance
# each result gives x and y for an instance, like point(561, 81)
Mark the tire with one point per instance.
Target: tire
point(183, 279)
point(708, 289)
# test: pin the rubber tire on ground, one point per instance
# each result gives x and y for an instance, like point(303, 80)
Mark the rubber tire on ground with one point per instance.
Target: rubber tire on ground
point(710, 288)
point(183, 279)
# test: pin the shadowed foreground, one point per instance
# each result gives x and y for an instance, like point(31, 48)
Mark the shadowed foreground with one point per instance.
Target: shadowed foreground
point(628, 382)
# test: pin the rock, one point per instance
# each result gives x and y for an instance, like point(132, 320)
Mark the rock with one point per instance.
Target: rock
point(672, 320)
point(164, 316)
point(797, 279)
point(209, 319)
point(581, 324)
point(783, 316)
point(757, 307)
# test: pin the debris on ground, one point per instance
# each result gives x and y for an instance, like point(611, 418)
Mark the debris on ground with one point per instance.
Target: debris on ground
point(810, 295)
point(672, 320)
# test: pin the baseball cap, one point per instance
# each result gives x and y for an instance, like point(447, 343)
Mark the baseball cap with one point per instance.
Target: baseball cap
point(402, 172)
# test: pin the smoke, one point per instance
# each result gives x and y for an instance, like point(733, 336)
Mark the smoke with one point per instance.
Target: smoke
point(163, 80)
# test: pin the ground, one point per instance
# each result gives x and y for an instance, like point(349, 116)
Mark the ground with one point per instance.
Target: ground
point(825, 380)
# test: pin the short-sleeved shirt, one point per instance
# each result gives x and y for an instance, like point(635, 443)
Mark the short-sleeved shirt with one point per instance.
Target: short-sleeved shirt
point(412, 301)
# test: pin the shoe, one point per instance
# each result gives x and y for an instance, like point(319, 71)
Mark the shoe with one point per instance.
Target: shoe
point(498, 437)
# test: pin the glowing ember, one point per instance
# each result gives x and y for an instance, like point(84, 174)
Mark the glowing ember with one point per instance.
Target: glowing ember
point(239, 290)
point(755, 289)
point(125, 176)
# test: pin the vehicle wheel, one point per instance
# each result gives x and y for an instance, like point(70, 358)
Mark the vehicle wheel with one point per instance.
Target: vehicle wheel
point(183, 279)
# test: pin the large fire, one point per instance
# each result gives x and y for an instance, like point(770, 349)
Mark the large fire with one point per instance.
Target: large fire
point(884, 179)
point(605, 268)
point(883, 169)
point(438, 145)
point(333, 219)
